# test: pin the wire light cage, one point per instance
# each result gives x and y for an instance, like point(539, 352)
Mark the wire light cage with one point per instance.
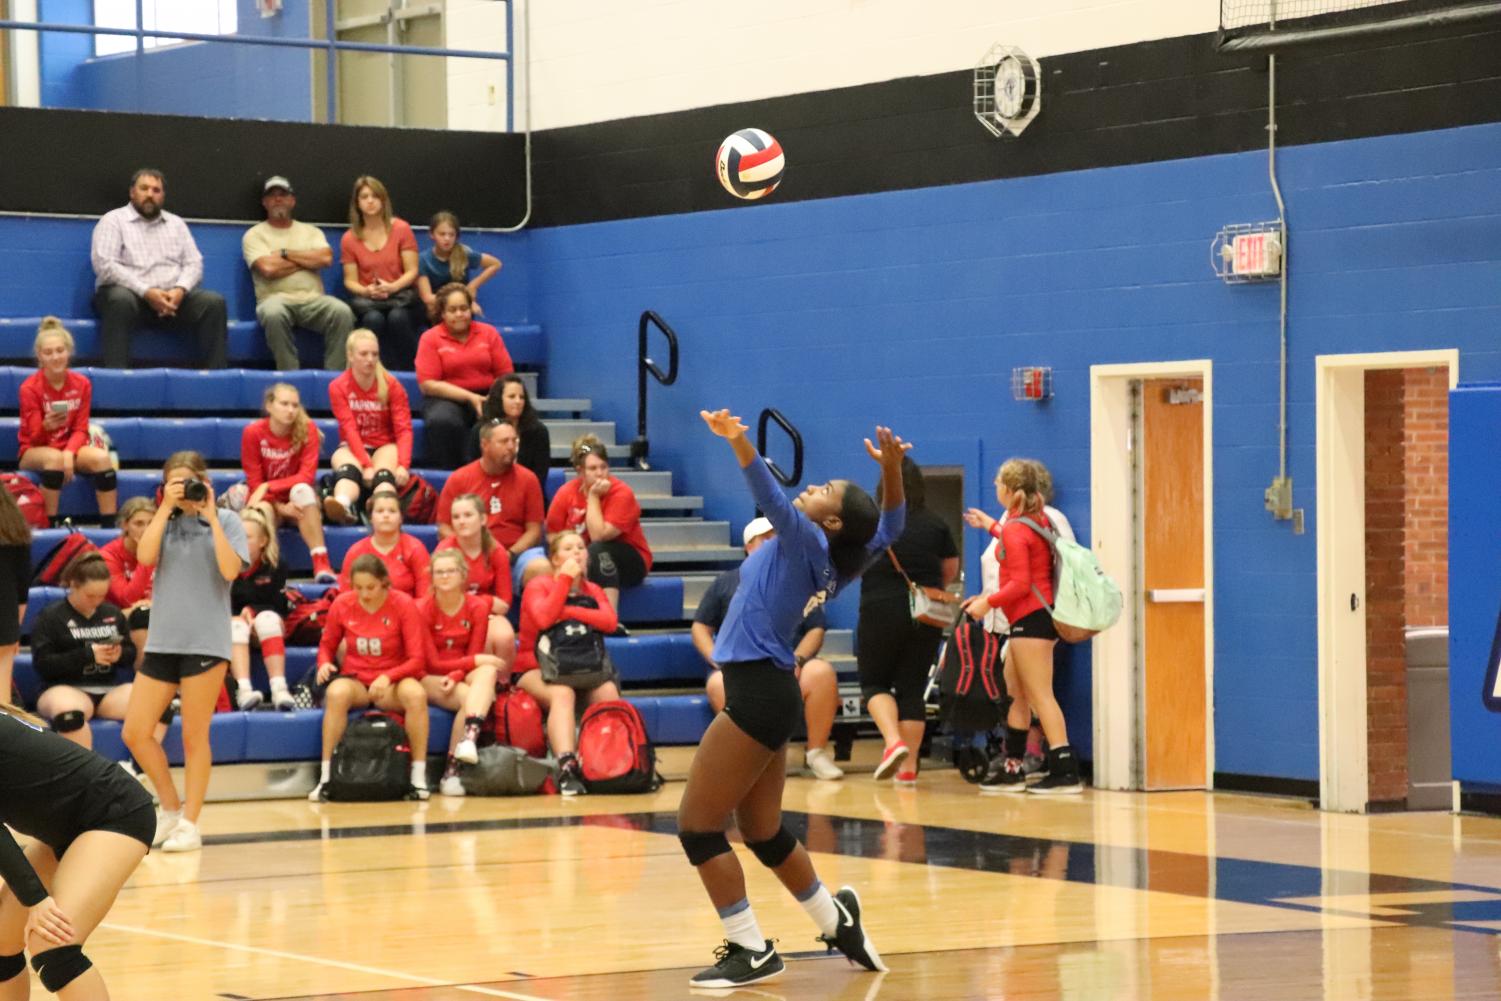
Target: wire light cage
point(1008, 91)
point(1331, 18)
point(1031, 384)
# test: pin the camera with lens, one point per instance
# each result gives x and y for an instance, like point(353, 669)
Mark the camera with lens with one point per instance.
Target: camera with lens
point(195, 491)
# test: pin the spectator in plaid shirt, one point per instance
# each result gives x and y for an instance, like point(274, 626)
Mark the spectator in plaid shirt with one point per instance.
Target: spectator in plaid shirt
point(147, 270)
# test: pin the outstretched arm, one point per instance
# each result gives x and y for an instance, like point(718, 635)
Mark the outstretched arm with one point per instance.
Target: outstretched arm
point(731, 429)
point(889, 451)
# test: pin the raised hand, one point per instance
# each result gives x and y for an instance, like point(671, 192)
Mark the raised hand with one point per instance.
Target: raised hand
point(722, 423)
point(975, 518)
point(888, 448)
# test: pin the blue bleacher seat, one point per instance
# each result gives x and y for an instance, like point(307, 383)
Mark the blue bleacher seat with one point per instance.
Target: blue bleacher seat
point(164, 390)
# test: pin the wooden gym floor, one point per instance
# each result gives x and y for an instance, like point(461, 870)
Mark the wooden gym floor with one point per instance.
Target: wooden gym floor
point(1108, 895)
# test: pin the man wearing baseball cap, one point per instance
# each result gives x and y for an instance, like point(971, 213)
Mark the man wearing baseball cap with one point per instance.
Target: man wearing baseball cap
point(815, 676)
point(285, 257)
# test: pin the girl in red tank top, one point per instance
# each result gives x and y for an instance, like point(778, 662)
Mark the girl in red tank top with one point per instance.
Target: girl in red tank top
point(1025, 597)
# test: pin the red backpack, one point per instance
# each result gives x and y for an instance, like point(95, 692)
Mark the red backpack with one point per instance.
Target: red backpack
point(28, 498)
point(516, 721)
point(614, 752)
point(49, 571)
point(306, 616)
point(419, 502)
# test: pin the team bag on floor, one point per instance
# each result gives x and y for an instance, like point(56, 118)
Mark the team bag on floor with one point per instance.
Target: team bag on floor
point(615, 755)
point(503, 770)
point(373, 762)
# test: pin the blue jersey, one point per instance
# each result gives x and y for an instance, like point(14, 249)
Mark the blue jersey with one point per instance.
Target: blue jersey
point(785, 578)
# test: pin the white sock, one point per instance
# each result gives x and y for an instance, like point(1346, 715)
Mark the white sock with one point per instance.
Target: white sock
point(419, 774)
point(324, 768)
point(820, 907)
point(741, 928)
point(323, 550)
point(277, 684)
point(243, 684)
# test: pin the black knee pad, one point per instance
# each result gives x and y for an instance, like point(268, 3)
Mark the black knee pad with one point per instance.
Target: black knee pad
point(106, 481)
point(52, 479)
point(69, 721)
point(349, 471)
point(774, 850)
point(12, 967)
point(61, 966)
point(702, 846)
point(169, 713)
point(383, 478)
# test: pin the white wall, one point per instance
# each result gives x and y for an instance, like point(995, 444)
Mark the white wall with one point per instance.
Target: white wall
point(477, 87)
point(597, 60)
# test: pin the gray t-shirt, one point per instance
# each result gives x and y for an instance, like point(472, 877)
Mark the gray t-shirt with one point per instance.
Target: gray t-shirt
point(189, 596)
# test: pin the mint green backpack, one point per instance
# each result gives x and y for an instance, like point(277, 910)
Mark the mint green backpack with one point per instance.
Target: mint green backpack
point(1085, 599)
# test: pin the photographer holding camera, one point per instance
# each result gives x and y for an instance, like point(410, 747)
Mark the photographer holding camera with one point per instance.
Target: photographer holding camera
point(198, 551)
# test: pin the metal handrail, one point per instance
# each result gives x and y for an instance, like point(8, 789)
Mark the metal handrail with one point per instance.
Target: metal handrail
point(645, 366)
point(767, 417)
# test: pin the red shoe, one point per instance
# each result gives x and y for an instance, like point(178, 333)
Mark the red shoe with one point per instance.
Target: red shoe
point(322, 571)
point(895, 755)
point(906, 778)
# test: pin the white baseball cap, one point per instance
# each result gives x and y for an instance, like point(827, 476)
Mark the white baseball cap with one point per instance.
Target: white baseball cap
point(755, 530)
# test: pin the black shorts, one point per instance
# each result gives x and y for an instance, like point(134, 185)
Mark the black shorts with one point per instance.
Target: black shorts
point(10, 630)
point(763, 700)
point(615, 564)
point(172, 668)
point(130, 813)
point(1037, 625)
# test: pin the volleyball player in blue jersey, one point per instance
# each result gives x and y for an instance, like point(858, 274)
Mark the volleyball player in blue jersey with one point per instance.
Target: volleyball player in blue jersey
point(824, 541)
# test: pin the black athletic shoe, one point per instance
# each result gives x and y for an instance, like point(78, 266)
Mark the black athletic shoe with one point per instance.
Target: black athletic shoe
point(849, 935)
point(1005, 775)
point(570, 781)
point(1063, 774)
point(736, 966)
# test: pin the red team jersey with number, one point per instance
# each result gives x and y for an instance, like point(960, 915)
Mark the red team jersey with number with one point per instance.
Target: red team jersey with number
point(407, 564)
point(453, 640)
point(618, 506)
point(390, 640)
point(36, 398)
point(510, 499)
point(366, 424)
point(273, 460)
point(488, 575)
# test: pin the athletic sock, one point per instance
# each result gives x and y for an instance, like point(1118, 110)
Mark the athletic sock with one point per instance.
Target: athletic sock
point(1016, 742)
point(820, 907)
point(740, 926)
point(472, 726)
point(419, 774)
point(242, 684)
point(325, 767)
point(278, 684)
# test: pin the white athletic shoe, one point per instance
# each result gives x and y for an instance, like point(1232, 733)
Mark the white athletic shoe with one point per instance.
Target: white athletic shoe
point(422, 791)
point(451, 786)
point(184, 838)
point(466, 752)
point(282, 699)
point(820, 761)
point(248, 699)
point(316, 796)
point(166, 823)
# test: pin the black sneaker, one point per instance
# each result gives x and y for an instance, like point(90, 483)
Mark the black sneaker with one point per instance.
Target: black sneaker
point(849, 936)
point(1005, 775)
point(1063, 774)
point(1035, 767)
point(736, 966)
point(570, 782)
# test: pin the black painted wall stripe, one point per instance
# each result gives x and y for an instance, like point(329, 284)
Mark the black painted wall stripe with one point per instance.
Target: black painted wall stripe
point(1159, 100)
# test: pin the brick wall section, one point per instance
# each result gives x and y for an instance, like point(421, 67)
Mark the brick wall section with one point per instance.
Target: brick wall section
point(1386, 667)
point(1426, 441)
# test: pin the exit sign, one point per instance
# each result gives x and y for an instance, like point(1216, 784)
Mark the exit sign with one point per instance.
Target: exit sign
point(1256, 255)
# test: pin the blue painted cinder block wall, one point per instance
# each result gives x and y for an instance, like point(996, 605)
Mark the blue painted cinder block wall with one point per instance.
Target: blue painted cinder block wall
point(911, 308)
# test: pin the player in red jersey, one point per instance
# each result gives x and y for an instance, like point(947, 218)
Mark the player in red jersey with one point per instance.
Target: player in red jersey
point(129, 582)
point(54, 435)
point(488, 569)
point(461, 677)
point(280, 456)
point(405, 557)
point(385, 649)
point(375, 429)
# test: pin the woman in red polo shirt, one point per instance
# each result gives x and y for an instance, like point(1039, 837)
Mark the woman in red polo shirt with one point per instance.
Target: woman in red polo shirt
point(54, 403)
point(606, 513)
point(379, 256)
point(279, 454)
point(457, 362)
point(375, 429)
point(406, 559)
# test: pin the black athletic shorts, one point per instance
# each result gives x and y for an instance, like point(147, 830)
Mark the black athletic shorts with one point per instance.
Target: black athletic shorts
point(128, 811)
point(1037, 625)
point(763, 700)
point(615, 564)
point(172, 668)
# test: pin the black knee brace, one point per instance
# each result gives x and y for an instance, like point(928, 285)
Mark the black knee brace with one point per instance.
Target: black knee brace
point(169, 713)
point(106, 481)
point(69, 721)
point(774, 850)
point(52, 479)
point(349, 471)
point(702, 846)
point(12, 967)
point(383, 478)
point(61, 966)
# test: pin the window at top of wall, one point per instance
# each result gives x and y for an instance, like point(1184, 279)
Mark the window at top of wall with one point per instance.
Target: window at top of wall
point(204, 17)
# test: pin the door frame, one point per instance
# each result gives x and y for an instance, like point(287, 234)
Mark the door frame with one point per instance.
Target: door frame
point(1339, 405)
point(1113, 538)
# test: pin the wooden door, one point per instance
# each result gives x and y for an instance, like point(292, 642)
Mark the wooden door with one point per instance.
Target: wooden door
point(1174, 704)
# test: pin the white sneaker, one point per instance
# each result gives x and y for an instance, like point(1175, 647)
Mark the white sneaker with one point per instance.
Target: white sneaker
point(422, 791)
point(316, 796)
point(282, 699)
point(248, 699)
point(466, 752)
point(451, 786)
point(184, 838)
point(166, 823)
point(820, 761)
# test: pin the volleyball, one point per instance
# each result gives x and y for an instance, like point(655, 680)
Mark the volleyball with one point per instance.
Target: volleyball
point(750, 164)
